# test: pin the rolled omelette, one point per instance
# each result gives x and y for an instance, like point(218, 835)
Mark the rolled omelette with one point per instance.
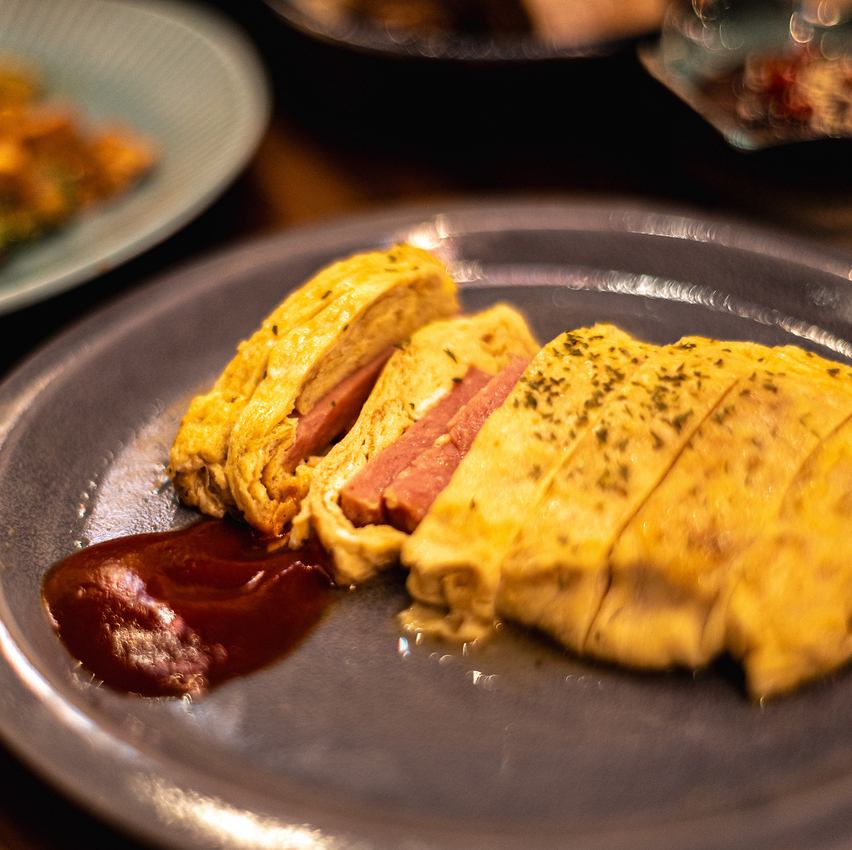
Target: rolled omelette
point(455, 554)
point(674, 565)
point(557, 571)
point(789, 616)
point(239, 447)
point(423, 374)
point(705, 512)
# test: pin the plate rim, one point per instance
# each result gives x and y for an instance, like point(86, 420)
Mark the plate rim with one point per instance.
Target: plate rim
point(30, 696)
point(235, 51)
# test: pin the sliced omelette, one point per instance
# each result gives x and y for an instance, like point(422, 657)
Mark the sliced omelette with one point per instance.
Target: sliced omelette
point(789, 615)
point(429, 370)
point(673, 565)
point(456, 552)
point(239, 447)
point(556, 573)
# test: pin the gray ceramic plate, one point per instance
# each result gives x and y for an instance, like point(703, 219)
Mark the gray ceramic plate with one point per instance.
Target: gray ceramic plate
point(359, 739)
point(176, 73)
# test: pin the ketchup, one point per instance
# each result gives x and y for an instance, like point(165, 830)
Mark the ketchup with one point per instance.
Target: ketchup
point(177, 612)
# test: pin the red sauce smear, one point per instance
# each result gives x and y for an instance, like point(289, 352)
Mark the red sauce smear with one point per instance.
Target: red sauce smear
point(177, 612)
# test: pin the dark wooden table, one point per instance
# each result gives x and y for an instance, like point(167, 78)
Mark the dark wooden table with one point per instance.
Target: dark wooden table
point(350, 134)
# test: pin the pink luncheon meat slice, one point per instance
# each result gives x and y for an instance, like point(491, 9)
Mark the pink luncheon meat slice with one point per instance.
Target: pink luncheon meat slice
point(335, 412)
point(361, 498)
point(410, 495)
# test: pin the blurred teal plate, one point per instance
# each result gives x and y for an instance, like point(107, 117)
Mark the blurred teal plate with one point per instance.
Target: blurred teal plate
point(175, 73)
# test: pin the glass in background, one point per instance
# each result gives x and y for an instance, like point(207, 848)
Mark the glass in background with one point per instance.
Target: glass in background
point(782, 68)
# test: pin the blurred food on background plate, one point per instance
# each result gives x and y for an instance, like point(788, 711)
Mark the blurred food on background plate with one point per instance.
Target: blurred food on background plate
point(553, 21)
point(804, 90)
point(52, 166)
point(575, 21)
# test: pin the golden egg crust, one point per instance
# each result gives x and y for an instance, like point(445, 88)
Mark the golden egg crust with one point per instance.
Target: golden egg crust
point(420, 373)
point(227, 454)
